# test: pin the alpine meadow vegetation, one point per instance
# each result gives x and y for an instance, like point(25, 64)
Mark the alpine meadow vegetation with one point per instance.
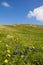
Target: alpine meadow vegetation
point(21, 44)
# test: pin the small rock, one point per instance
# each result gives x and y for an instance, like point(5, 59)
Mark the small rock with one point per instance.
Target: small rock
point(15, 53)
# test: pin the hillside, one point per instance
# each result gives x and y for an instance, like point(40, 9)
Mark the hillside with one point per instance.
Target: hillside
point(22, 36)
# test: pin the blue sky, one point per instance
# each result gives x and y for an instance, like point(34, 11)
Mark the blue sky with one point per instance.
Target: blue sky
point(17, 11)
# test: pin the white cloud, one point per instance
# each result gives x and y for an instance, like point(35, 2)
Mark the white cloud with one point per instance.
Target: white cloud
point(5, 4)
point(37, 13)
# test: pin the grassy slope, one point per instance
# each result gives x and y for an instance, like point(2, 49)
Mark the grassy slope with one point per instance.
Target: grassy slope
point(23, 35)
point(26, 33)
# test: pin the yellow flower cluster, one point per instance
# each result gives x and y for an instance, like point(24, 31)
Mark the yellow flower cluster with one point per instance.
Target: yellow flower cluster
point(31, 47)
point(8, 54)
point(8, 49)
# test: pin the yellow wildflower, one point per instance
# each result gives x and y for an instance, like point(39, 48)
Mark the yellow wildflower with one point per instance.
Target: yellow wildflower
point(8, 51)
point(6, 60)
point(0, 41)
point(8, 55)
point(33, 47)
point(6, 45)
point(22, 56)
point(42, 47)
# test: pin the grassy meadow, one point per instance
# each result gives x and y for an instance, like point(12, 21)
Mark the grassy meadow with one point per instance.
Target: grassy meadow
point(21, 44)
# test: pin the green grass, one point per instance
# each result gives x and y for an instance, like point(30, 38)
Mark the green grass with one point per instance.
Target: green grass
point(24, 40)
